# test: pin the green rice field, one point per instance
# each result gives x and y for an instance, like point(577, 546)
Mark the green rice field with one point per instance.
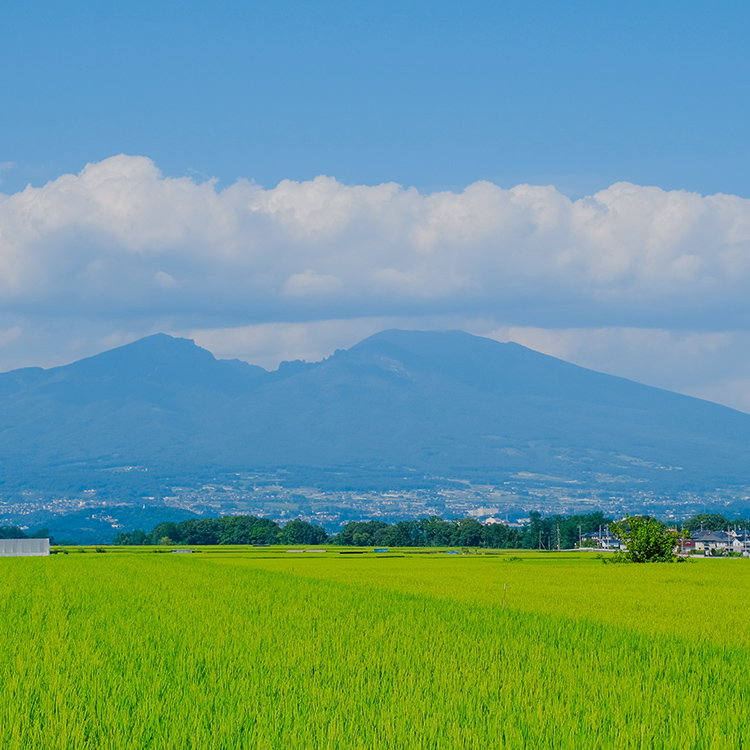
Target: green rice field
point(240, 648)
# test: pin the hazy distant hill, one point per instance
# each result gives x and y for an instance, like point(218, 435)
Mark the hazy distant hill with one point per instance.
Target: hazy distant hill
point(460, 405)
point(398, 403)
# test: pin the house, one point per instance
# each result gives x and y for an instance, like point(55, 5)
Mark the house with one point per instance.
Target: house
point(687, 546)
point(710, 542)
point(24, 547)
point(603, 540)
point(741, 542)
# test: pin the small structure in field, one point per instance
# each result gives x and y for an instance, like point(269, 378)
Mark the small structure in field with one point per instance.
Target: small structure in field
point(24, 547)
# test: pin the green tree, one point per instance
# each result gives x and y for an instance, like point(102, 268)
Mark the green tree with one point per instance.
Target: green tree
point(139, 537)
point(363, 534)
point(168, 529)
point(467, 532)
point(646, 539)
point(302, 532)
point(498, 535)
point(405, 534)
point(264, 531)
point(707, 522)
point(436, 532)
point(11, 532)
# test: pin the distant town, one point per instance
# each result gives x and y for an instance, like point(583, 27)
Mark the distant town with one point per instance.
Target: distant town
point(93, 515)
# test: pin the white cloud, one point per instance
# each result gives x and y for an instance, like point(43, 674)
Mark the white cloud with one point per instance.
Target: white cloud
point(100, 235)
point(10, 335)
point(268, 344)
point(165, 280)
point(310, 283)
point(676, 359)
point(734, 392)
point(638, 281)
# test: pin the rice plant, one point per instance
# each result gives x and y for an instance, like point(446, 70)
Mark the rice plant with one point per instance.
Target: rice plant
point(297, 651)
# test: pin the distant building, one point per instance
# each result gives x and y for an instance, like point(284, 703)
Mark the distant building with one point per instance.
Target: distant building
point(603, 540)
point(720, 541)
point(687, 546)
point(24, 547)
point(710, 541)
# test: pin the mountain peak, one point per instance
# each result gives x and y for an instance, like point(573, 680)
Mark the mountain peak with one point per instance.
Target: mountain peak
point(436, 403)
point(143, 357)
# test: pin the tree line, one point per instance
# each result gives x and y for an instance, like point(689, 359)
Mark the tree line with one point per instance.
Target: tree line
point(550, 532)
point(538, 533)
point(14, 532)
point(714, 522)
point(226, 530)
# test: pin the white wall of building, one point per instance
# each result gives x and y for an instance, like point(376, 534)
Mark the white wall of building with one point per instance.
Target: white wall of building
point(24, 547)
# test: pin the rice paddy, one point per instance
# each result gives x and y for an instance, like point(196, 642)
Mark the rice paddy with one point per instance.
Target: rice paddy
point(272, 650)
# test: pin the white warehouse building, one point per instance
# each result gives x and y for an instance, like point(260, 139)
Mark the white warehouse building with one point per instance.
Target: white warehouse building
point(24, 547)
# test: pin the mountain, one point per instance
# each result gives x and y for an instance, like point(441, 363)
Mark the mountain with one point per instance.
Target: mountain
point(401, 408)
point(460, 405)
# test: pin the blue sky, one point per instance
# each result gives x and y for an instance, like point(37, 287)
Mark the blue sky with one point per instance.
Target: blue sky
point(431, 94)
point(218, 223)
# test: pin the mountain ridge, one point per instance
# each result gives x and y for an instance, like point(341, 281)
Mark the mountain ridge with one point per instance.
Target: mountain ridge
point(398, 408)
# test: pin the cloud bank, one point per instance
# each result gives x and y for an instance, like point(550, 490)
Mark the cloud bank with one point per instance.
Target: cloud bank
point(119, 250)
point(121, 237)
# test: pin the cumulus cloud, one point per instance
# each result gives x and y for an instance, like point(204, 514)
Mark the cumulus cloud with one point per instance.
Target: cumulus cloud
point(99, 240)
point(638, 281)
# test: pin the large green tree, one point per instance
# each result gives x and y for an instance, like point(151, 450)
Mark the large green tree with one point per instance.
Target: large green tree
point(713, 522)
point(302, 532)
point(11, 532)
point(646, 539)
point(363, 534)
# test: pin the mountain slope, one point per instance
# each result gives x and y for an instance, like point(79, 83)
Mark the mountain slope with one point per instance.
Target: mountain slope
point(433, 404)
point(459, 405)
